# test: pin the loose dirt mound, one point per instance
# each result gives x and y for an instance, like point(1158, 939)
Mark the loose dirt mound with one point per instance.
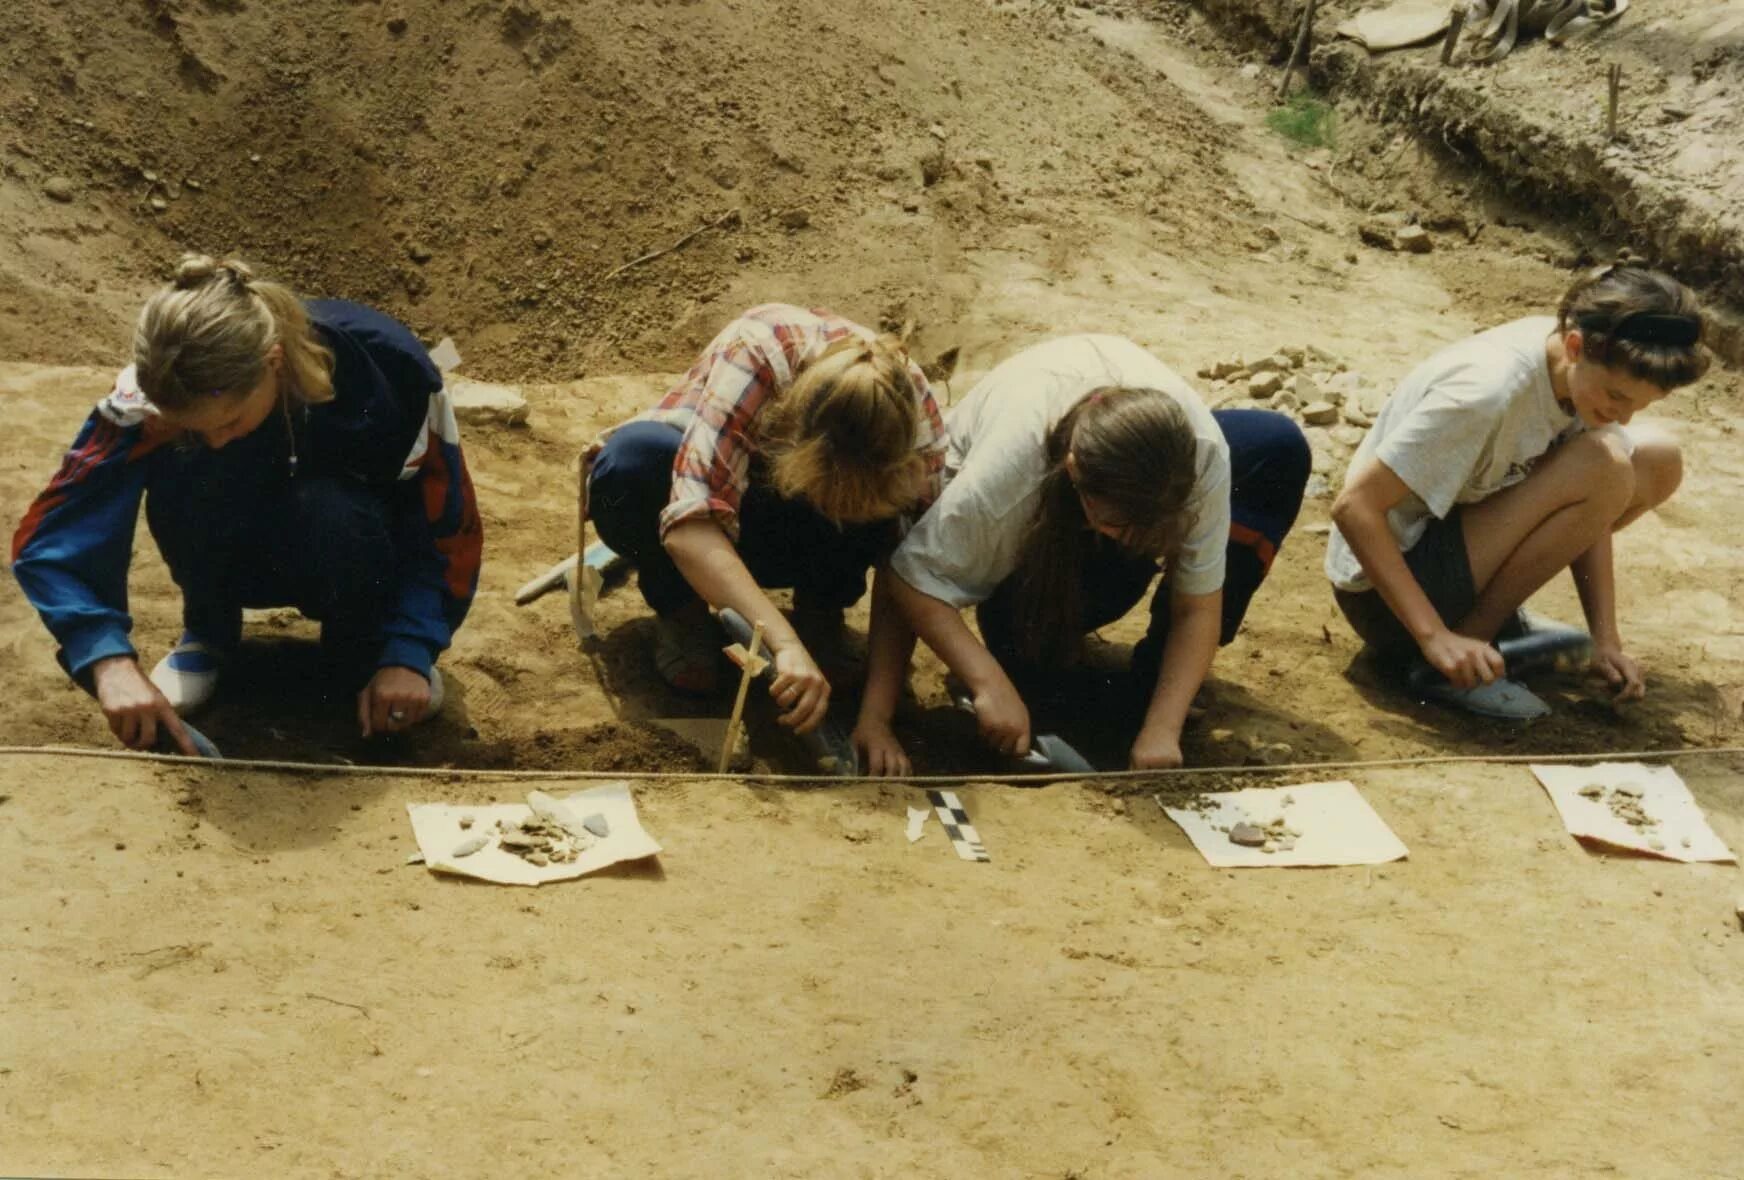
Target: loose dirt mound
point(482, 168)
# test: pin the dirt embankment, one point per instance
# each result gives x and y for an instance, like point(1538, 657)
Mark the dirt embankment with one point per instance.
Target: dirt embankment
point(1534, 123)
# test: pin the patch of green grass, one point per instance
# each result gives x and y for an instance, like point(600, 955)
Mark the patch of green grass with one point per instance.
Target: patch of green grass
point(1304, 120)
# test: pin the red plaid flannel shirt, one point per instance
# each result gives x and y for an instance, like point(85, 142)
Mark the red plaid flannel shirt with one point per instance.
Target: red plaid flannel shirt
point(716, 404)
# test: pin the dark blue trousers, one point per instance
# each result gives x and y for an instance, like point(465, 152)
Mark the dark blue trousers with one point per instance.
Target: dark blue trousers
point(784, 543)
point(1269, 467)
point(238, 531)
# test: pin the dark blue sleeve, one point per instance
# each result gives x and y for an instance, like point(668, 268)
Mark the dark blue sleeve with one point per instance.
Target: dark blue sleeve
point(71, 551)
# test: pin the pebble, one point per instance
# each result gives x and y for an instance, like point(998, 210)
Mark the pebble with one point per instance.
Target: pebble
point(470, 845)
point(396, 25)
point(1247, 835)
point(796, 219)
point(1276, 363)
point(418, 252)
point(1413, 239)
point(482, 403)
point(465, 822)
point(1348, 436)
point(1272, 754)
point(1264, 384)
point(1320, 414)
point(158, 204)
point(1305, 388)
point(597, 824)
point(58, 188)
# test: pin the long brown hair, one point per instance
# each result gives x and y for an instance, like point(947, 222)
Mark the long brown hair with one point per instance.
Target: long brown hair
point(842, 435)
point(208, 333)
point(1136, 456)
point(1645, 323)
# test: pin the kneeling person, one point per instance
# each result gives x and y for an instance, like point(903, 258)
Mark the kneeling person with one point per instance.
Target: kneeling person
point(1502, 460)
point(1075, 469)
point(784, 459)
point(289, 454)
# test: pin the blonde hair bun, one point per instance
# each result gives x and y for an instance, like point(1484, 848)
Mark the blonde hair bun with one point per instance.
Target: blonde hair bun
point(196, 270)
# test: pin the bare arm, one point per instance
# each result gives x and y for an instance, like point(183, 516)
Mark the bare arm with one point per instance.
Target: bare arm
point(1000, 710)
point(889, 648)
point(1596, 582)
point(1360, 512)
point(1195, 621)
point(708, 561)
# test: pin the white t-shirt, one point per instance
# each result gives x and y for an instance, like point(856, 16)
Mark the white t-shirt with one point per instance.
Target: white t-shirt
point(1466, 423)
point(969, 540)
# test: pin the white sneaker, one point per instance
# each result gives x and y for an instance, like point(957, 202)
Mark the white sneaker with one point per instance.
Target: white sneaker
point(188, 676)
point(438, 694)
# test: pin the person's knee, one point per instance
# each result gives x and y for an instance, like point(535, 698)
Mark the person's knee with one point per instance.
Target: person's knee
point(1600, 463)
point(1657, 466)
point(631, 481)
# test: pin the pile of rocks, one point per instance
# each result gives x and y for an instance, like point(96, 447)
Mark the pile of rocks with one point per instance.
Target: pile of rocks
point(1334, 405)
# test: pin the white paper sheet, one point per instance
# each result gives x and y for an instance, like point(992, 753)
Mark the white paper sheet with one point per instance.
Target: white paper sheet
point(1675, 827)
point(1336, 826)
point(437, 829)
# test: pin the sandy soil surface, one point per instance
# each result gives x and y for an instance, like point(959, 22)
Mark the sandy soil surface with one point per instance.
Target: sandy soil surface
point(1501, 1002)
point(220, 974)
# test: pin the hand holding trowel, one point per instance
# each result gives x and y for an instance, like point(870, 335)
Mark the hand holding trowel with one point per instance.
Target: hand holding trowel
point(828, 744)
point(1048, 753)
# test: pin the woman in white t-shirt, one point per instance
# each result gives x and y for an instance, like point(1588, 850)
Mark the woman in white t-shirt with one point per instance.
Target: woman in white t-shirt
point(1502, 460)
point(1073, 471)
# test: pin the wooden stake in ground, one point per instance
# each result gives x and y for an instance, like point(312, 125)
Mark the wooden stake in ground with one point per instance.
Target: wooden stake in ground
point(750, 666)
point(1300, 53)
point(1456, 23)
point(1614, 82)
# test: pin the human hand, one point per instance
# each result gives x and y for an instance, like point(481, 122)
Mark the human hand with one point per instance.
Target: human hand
point(799, 689)
point(880, 753)
point(1156, 749)
point(134, 707)
point(1465, 661)
point(1620, 671)
point(1003, 717)
point(395, 699)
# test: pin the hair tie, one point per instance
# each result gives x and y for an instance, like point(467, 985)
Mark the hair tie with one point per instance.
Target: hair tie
point(1656, 327)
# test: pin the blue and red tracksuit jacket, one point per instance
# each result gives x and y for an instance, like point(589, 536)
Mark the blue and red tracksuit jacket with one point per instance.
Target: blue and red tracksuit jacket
point(390, 421)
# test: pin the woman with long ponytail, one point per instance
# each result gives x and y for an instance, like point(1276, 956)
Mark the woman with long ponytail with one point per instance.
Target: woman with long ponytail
point(1076, 469)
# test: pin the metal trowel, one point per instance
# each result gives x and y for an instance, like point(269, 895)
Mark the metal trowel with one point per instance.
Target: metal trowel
point(1048, 753)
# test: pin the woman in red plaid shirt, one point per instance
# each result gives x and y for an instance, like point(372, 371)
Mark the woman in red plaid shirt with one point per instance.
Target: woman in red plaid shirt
point(785, 458)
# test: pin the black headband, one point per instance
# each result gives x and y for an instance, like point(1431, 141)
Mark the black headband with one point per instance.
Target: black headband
point(1649, 327)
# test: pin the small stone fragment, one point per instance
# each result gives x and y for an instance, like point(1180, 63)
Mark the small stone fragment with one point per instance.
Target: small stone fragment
point(1247, 835)
point(1592, 791)
point(158, 204)
point(1320, 414)
point(482, 403)
point(538, 858)
point(1656, 844)
point(58, 188)
point(597, 824)
point(470, 845)
point(1413, 239)
point(418, 252)
point(796, 219)
point(465, 822)
point(1264, 384)
point(1269, 846)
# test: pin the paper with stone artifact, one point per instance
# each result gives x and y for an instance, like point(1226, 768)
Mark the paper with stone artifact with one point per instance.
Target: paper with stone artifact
point(1270, 827)
point(574, 835)
point(1634, 807)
